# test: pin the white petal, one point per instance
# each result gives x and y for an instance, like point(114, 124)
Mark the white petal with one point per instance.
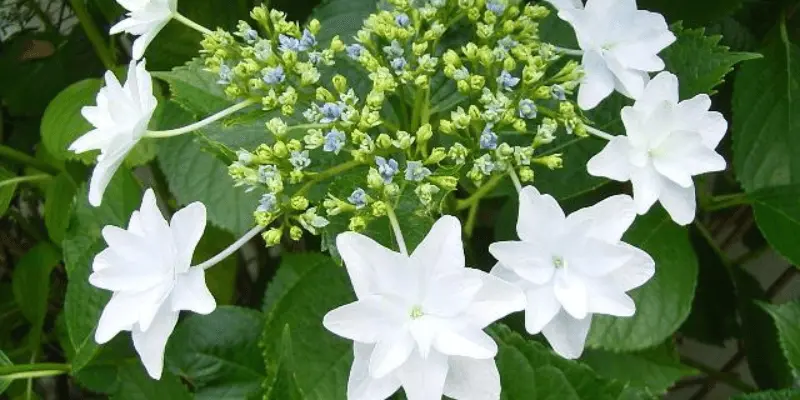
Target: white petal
point(607, 220)
point(542, 306)
point(365, 320)
point(567, 335)
point(647, 187)
point(423, 379)
point(566, 4)
point(527, 259)
point(116, 316)
point(155, 227)
point(662, 88)
point(695, 116)
point(360, 385)
point(104, 171)
point(472, 379)
point(607, 299)
point(112, 272)
point(451, 294)
point(150, 344)
point(390, 353)
point(187, 226)
point(466, 341)
point(494, 300)
point(679, 202)
point(141, 43)
point(595, 258)
point(93, 140)
point(634, 273)
point(540, 216)
point(597, 82)
point(629, 82)
point(363, 257)
point(683, 154)
point(612, 161)
point(571, 292)
point(191, 293)
point(441, 250)
point(508, 275)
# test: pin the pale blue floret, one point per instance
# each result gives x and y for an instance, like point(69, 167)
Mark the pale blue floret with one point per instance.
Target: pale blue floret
point(358, 198)
point(386, 169)
point(488, 140)
point(398, 64)
point(394, 50)
point(266, 173)
point(416, 172)
point(315, 57)
point(288, 43)
point(507, 81)
point(274, 76)
point(263, 50)
point(250, 36)
point(461, 74)
point(307, 41)
point(402, 20)
point(244, 157)
point(268, 203)
point(354, 51)
point(507, 43)
point(527, 109)
point(225, 75)
point(330, 112)
point(496, 6)
point(299, 159)
point(437, 3)
point(334, 141)
point(558, 92)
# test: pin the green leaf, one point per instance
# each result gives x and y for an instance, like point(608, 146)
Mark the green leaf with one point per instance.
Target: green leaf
point(787, 394)
point(4, 361)
point(194, 175)
point(62, 122)
point(31, 283)
point(664, 302)
point(215, 353)
point(284, 385)
point(84, 303)
point(7, 191)
point(221, 279)
point(529, 371)
point(58, 206)
point(777, 212)
point(696, 13)
point(305, 288)
point(135, 384)
point(655, 369)
point(700, 61)
point(766, 120)
point(787, 319)
point(342, 17)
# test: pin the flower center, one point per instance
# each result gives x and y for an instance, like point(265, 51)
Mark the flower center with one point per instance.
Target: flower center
point(558, 262)
point(416, 312)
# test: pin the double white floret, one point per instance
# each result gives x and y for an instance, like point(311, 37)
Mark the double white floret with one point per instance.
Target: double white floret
point(145, 19)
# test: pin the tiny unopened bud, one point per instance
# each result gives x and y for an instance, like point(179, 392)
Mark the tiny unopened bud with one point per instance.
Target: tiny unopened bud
point(424, 133)
point(357, 224)
point(340, 83)
point(378, 209)
point(295, 233)
point(299, 203)
point(384, 141)
point(552, 161)
point(448, 183)
point(526, 174)
point(273, 236)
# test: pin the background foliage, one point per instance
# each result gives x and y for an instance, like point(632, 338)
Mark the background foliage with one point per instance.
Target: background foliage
point(51, 57)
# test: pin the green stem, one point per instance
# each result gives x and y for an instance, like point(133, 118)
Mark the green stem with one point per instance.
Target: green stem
point(22, 158)
point(472, 215)
point(191, 24)
point(28, 178)
point(37, 8)
point(25, 371)
point(730, 379)
point(515, 179)
point(398, 234)
point(727, 201)
point(480, 193)
point(202, 123)
point(327, 174)
point(94, 34)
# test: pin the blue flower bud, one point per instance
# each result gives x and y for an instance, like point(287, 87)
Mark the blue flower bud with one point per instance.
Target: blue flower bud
point(263, 50)
point(225, 75)
point(330, 112)
point(507, 81)
point(394, 50)
point(274, 76)
point(527, 109)
point(488, 140)
point(402, 20)
point(507, 43)
point(354, 51)
point(268, 203)
point(398, 64)
point(386, 169)
point(300, 159)
point(496, 6)
point(416, 172)
point(307, 41)
point(358, 198)
point(250, 36)
point(558, 93)
point(288, 43)
point(334, 141)
point(266, 173)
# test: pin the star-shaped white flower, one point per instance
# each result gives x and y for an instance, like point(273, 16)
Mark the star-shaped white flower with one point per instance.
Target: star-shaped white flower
point(147, 266)
point(666, 143)
point(418, 322)
point(145, 19)
point(571, 267)
point(120, 119)
point(620, 46)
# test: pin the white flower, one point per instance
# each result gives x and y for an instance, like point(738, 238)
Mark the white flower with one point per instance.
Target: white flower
point(571, 267)
point(418, 322)
point(620, 46)
point(120, 119)
point(666, 143)
point(145, 19)
point(147, 267)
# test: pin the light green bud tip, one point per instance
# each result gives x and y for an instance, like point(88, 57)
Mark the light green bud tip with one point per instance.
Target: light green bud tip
point(273, 236)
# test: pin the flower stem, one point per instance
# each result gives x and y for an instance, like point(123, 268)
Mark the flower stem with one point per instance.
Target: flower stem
point(398, 234)
point(199, 124)
point(231, 249)
point(472, 217)
point(327, 174)
point(515, 179)
point(599, 133)
point(480, 193)
point(22, 158)
point(21, 179)
point(569, 52)
point(726, 201)
point(728, 378)
point(94, 34)
point(26, 371)
point(191, 24)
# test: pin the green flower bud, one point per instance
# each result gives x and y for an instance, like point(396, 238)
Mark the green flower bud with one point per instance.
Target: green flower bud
point(504, 151)
point(448, 183)
point(542, 92)
point(424, 133)
point(260, 14)
point(526, 174)
point(486, 31)
point(451, 58)
point(422, 81)
point(473, 14)
point(314, 139)
point(337, 45)
point(477, 82)
point(296, 176)
point(470, 51)
point(279, 150)
point(425, 193)
point(289, 58)
point(446, 127)
point(509, 27)
point(375, 100)
point(437, 155)
point(378, 209)
point(314, 26)
point(287, 110)
point(520, 125)
point(299, 203)
point(486, 56)
point(357, 224)
point(509, 64)
point(463, 87)
point(374, 179)
point(233, 91)
point(460, 118)
point(322, 94)
point(295, 233)
point(474, 112)
point(391, 190)
point(404, 140)
point(384, 141)
point(419, 48)
point(458, 153)
point(276, 126)
point(273, 236)
point(465, 4)
point(552, 161)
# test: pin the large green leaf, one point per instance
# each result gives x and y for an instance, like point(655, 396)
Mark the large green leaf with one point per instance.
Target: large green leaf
point(777, 211)
point(305, 288)
point(529, 371)
point(194, 175)
point(766, 120)
point(31, 283)
point(664, 302)
point(343, 18)
point(787, 319)
point(62, 122)
point(700, 61)
point(6, 191)
point(58, 206)
point(215, 353)
point(4, 361)
point(221, 279)
point(655, 369)
point(787, 394)
point(84, 303)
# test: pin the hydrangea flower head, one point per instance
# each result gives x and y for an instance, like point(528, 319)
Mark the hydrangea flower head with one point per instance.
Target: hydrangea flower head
point(418, 321)
point(145, 19)
point(147, 266)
